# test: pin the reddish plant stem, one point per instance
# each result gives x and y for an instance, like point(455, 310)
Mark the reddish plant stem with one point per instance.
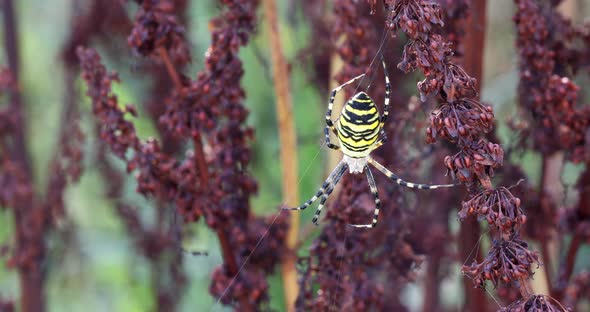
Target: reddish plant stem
point(469, 245)
point(170, 68)
point(200, 162)
point(475, 299)
point(11, 46)
point(584, 187)
point(226, 250)
point(567, 267)
point(231, 265)
point(431, 285)
point(30, 274)
point(474, 41)
point(201, 165)
point(570, 259)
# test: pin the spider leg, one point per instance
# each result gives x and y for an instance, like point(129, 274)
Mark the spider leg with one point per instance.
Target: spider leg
point(327, 193)
point(326, 186)
point(329, 123)
point(328, 143)
point(373, 187)
point(381, 140)
point(387, 96)
point(401, 182)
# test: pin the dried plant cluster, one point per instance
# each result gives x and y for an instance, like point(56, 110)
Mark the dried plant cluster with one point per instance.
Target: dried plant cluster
point(212, 180)
point(199, 168)
point(463, 121)
point(552, 51)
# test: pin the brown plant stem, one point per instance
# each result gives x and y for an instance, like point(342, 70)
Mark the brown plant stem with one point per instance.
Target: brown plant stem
point(288, 154)
point(567, 267)
point(226, 250)
point(469, 242)
point(200, 162)
point(474, 42)
point(431, 284)
point(570, 259)
point(524, 288)
point(170, 68)
point(552, 191)
point(11, 47)
point(584, 202)
point(30, 274)
point(230, 264)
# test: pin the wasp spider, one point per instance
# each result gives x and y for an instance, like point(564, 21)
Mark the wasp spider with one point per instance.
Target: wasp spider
point(360, 131)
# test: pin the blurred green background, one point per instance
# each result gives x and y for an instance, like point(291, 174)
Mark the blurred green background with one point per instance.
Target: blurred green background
point(97, 269)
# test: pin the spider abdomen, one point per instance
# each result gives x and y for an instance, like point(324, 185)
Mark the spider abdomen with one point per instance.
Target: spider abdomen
point(358, 126)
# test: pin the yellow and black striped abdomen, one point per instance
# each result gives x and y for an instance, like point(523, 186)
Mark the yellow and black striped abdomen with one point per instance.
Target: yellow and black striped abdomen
point(358, 126)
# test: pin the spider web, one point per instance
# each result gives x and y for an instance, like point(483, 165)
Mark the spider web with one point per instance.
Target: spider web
point(383, 42)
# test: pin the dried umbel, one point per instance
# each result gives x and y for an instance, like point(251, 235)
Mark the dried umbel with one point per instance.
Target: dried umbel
point(475, 163)
point(535, 303)
point(507, 261)
point(428, 51)
point(457, 120)
point(498, 207)
point(462, 120)
point(415, 18)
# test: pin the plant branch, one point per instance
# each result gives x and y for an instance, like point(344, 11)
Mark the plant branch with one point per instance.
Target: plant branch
point(473, 63)
point(570, 259)
point(200, 162)
point(25, 215)
point(288, 154)
point(170, 68)
point(11, 46)
point(551, 191)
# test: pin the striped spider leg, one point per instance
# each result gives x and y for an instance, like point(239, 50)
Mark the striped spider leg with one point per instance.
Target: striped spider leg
point(324, 191)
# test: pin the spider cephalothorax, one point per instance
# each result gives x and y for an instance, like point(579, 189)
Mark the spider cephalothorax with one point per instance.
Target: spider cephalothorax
point(359, 131)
